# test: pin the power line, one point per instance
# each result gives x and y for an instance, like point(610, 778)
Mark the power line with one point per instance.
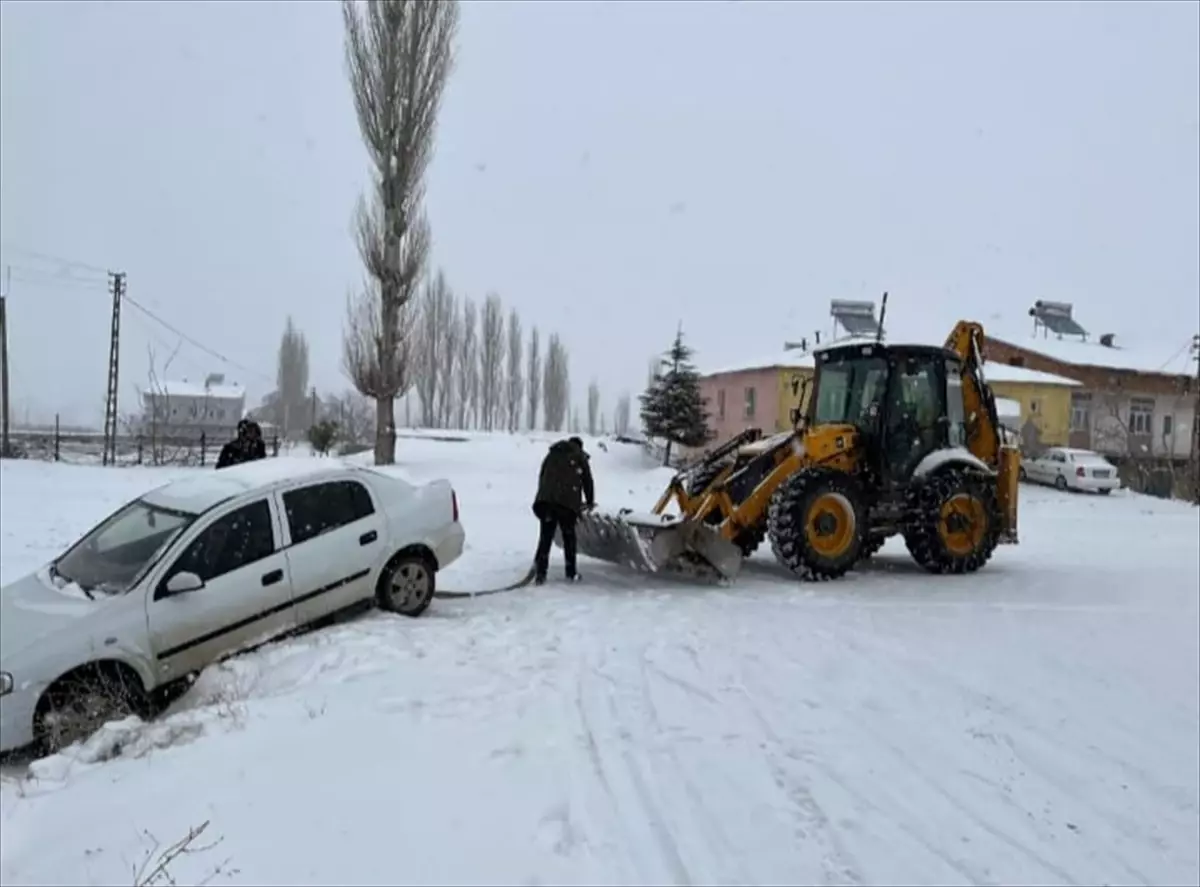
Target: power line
point(48, 257)
point(170, 328)
point(60, 279)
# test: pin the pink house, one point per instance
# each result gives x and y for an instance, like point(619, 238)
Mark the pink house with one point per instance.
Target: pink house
point(756, 394)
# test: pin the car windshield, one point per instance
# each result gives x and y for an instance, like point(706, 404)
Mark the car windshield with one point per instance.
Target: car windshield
point(113, 555)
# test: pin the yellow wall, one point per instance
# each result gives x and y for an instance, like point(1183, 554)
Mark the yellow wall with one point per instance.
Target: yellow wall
point(1048, 406)
point(787, 400)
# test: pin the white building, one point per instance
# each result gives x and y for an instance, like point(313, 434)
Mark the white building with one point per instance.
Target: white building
point(184, 410)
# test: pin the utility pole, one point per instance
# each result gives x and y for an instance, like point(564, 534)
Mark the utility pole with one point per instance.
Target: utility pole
point(4, 450)
point(116, 286)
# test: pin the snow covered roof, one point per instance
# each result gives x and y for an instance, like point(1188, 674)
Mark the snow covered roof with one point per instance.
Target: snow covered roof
point(797, 359)
point(1002, 372)
point(1142, 357)
point(202, 490)
point(196, 389)
point(788, 360)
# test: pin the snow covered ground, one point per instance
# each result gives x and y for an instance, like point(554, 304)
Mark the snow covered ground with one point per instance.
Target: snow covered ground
point(1037, 723)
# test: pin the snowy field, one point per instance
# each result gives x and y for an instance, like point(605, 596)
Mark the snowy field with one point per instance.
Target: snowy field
point(1037, 723)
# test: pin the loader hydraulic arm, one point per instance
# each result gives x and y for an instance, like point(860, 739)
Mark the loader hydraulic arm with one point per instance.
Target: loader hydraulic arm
point(983, 424)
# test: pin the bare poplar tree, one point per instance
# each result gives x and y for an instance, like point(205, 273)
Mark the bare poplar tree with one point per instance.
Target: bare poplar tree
point(533, 377)
point(447, 369)
point(399, 54)
point(622, 415)
point(291, 380)
point(436, 310)
point(556, 386)
point(514, 381)
point(593, 408)
point(491, 360)
point(468, 364)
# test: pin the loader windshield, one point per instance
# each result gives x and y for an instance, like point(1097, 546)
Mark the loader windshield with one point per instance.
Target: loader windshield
point(850, 391)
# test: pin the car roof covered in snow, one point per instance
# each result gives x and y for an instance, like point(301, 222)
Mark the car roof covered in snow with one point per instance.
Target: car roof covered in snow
point(204, 489)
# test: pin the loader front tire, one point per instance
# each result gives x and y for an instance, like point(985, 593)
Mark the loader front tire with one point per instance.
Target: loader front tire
point(817, 522)
point(955, 520)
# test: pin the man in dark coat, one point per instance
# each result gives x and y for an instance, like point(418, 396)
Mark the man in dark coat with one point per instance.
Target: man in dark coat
point(246, 447)
point(565, 488)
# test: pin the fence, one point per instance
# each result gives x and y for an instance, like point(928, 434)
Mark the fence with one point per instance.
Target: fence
point(86, 447)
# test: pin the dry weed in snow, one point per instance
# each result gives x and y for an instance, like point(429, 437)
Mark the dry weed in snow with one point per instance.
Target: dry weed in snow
point(156, 866)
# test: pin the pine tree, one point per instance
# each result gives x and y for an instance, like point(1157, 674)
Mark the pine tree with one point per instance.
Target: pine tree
point(672, 408)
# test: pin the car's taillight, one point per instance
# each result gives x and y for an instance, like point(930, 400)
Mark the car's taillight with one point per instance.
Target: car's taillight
point(1079, 472)
point(454, 504)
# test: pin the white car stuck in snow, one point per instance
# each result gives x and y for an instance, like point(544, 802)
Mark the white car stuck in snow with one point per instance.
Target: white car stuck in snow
point(204, 567)
point(1072, 469)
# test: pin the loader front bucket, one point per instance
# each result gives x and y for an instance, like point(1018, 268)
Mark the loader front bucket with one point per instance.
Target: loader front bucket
point(651, 543)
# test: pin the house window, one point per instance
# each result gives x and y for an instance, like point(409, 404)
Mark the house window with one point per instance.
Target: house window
point(1141, 416)
point(1168, 425)
point(1081, 412)
point(721, 404)
point(749, 403)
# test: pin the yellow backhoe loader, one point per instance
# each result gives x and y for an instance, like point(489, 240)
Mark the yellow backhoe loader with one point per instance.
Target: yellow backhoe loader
point(896, 439)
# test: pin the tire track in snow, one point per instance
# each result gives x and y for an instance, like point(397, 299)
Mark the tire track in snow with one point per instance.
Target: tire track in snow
point(1026, 753)
point(608, 772)
point(811, 822)
point(709, 824)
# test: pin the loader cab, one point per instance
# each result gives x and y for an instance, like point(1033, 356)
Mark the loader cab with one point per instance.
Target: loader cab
point(905, 400)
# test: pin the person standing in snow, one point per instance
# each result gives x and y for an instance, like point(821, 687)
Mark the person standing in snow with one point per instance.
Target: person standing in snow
point(246, 447)
point(564, 490)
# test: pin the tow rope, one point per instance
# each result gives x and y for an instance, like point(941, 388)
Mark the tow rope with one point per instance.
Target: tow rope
point(520, 583)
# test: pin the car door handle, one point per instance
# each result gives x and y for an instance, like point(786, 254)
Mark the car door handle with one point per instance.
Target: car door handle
point(368, 538)
point(272, 577)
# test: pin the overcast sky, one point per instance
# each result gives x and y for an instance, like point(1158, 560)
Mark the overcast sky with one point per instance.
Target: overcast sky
point(610, 169)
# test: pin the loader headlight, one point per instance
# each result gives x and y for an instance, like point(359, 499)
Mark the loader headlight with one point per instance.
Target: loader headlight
point(6, 683)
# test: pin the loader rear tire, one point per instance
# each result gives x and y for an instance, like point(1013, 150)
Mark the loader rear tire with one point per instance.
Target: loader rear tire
point(818, 524)
point(955, 522)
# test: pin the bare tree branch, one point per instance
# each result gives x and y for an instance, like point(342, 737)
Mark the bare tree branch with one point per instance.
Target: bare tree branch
point(556, 385)
point(491, 360)
point(533, 376)
point(593, 408)
point(468, 364)
point(515, 383)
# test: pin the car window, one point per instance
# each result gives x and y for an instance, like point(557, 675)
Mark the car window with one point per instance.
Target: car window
point(318, 508)
point(230, 542)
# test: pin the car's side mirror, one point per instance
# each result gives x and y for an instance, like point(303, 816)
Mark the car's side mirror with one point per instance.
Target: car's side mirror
point(182, 583)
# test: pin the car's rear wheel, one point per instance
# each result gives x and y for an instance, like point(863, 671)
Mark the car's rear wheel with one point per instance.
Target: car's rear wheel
point(407, 585)
point(1060, 482)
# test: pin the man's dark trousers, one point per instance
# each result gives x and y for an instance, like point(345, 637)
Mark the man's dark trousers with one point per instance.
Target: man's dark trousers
point(553, 517)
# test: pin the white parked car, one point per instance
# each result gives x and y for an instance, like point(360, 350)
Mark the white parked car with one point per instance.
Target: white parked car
point(1071, 469)
point(205, 567)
